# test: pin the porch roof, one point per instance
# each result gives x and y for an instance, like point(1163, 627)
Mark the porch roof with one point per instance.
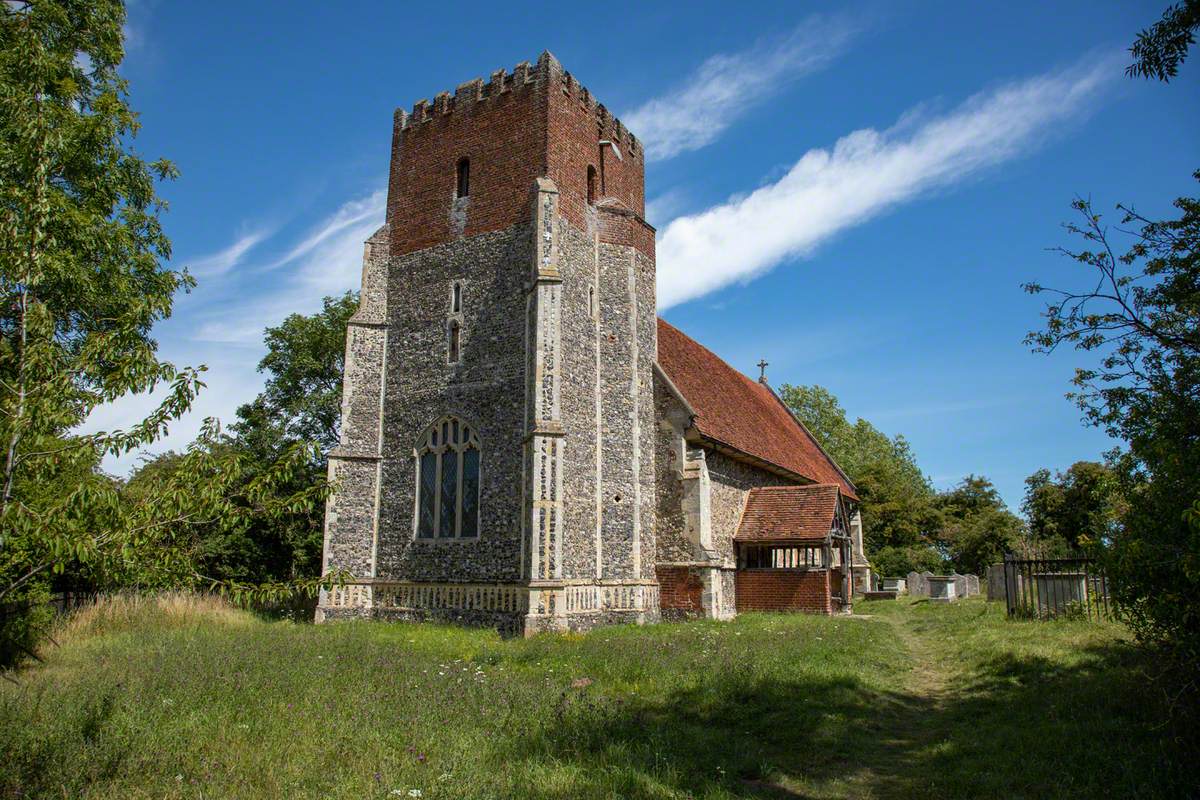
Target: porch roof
point(789, 513)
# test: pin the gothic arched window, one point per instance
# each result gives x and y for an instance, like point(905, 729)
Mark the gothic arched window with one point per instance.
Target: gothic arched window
point(448, 481)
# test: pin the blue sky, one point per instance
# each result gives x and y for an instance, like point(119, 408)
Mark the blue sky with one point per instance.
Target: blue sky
point(853, 192)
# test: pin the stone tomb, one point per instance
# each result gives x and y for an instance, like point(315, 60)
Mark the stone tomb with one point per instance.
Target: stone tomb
point(1057, 592)
point(897, 585)
point(942, 588)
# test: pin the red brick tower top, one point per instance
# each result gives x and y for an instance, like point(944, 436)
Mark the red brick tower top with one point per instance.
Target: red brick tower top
point(467, 163)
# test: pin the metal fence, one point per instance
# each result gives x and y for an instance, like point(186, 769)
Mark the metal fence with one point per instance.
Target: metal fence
point(1048, 588)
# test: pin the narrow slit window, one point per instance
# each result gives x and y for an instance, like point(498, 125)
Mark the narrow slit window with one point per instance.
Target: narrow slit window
point(454, 344)
point(464, 177)
point(591, 185)
point(456, 299)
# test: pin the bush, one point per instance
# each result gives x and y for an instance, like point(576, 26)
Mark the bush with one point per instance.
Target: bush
point(899, 561)
point(23, 621)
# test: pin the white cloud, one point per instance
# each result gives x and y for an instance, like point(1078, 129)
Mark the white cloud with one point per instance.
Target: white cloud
point(367, 210)
point(726, 86)
point(222, 261)
point(221, 323)
point(327, 261)
point(866, 173)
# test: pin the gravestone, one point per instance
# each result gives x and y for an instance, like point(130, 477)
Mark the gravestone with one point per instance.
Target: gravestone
point(896, 585)
point(972, 585)
point(942, 588)
point(960, 585)
point(915, 587)
point(995, 582)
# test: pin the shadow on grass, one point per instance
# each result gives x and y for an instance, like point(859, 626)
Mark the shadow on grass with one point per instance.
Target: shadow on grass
point(26, 762)
point(1026, 728)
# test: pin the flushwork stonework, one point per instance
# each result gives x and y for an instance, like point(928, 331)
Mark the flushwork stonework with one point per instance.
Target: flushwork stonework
point(509, 301)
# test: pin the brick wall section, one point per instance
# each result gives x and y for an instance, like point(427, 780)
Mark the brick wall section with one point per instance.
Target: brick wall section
point(680, 590)
point(577, 125)
point(783, 590)
point(504, 136)
point(536, 122)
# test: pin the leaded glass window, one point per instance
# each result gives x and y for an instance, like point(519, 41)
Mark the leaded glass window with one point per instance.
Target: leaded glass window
point(447, 459)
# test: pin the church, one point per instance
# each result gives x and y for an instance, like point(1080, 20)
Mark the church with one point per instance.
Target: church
point(525, 445)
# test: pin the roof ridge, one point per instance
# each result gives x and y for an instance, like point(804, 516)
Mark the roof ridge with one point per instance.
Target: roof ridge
point(746, 416)
point(811, 437)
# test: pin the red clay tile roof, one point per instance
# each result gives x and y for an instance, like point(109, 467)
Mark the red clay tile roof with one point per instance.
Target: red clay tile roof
point(742, 413)
point(774, 513)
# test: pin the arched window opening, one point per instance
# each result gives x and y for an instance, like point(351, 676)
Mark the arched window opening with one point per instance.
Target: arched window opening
point(591, 185)
point(454, 345)
point(447, 482)
point(592, 302)
point(456, 298)
point(464, 177)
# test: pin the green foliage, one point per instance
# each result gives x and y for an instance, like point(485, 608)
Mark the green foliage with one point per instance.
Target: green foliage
point(1161, 48)
point(303, 393)
point(1140, 316)
point(300, 402)
point(898, 507)
point(920, 700)
point(83, 281)
point(1079, 507)
point(899, 561)
point(978, 529)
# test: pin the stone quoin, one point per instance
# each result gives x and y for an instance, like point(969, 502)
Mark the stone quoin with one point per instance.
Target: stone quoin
point(524, 445)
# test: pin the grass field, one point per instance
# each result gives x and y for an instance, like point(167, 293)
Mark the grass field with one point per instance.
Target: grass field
point(186, 698)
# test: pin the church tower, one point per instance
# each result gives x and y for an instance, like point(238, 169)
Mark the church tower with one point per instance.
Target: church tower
point(496, 463)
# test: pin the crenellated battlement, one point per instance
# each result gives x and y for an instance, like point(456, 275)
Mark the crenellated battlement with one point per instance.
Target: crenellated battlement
point(524, 75)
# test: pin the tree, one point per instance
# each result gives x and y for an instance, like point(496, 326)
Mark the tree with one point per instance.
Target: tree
point(83, 281)
point(898, 509)
point(1139, 314)
point(304, 361)
point(1160, 49)
point(1078, 507)
point(300, 402)
point(977, 529)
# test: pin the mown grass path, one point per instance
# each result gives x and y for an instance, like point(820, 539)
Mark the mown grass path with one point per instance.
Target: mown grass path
point(912, 700)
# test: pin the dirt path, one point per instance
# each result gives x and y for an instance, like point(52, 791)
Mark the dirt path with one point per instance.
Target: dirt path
point(930, 676)
point(912, 725)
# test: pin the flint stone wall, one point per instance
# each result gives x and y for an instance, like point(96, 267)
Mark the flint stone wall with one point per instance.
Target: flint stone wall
point(486, 389)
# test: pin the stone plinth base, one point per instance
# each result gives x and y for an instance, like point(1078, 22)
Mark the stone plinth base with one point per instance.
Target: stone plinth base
point(511, 608)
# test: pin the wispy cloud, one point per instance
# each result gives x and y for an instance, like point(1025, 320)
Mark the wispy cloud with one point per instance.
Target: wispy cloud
point(726, 86)
point(350, 216)
point(232, 307)
point(866, 173)
point(224, 260)
point(327, 260)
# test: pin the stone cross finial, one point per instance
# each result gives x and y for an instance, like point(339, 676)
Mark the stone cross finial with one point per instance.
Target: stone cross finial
point(762, 371)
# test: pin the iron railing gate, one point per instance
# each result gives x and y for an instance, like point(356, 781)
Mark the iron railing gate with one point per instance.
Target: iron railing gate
point(1045, 588)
